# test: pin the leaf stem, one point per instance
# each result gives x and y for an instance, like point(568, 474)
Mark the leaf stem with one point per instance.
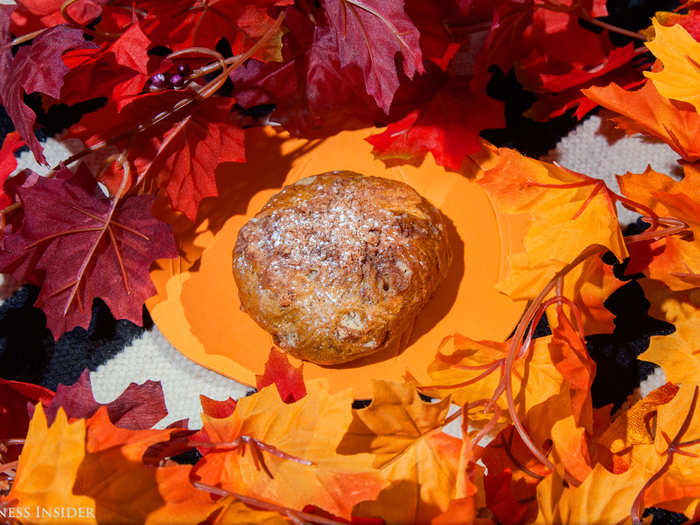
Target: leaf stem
point(266, 505)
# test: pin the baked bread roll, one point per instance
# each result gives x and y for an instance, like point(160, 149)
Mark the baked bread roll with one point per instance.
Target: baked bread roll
point(338, 265)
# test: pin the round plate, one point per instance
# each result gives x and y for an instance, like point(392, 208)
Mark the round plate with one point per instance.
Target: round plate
point(197, 307)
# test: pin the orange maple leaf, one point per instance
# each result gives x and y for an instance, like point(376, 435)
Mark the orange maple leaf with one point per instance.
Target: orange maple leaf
point(419, 461)
point(645, 110)
point(569, 213)
point(309, 429)
point(679, 353)
point(675, 259)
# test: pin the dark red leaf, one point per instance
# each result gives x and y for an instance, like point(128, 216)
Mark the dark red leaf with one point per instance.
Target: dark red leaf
point(448, 126)
point(106, 249)
point(139, 407)
point(370, 34)
point(288, 380)
point(218, 409)
point(14, 415)
point(37, 68)
point(500, 500)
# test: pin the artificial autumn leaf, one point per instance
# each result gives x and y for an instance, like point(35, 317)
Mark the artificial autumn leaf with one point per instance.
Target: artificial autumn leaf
point(14, 416)
point(370, 34)
point(31, 15)
point(138, 407)
point(634, 426)
point(440, 127)
point(180, 155)
point(418, 460)
point(8, 163)
point(106, 248)
point(133, 492)
point(470, 370)
point(690, 22)
point(569, 212)
point(677, 433)
point(678, 353)
point(602, 499)
point(674, 260)
point(333, 482)
point(235, 512)
point(680, 54)
point(511, 478)
point(49, 463)
point(180, 24)
point(312, 93)
point(645, 110)
point(569, 355)
point(37, 68)
point(217, 409)
point(288, 379)
point(589, 285)
point(433, 20)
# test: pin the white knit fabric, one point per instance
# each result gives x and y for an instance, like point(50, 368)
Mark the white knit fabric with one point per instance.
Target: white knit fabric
point(151, 356)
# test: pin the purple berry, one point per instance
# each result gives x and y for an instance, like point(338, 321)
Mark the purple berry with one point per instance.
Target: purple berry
point(183, 69)
point(158, 80)
point(177, 80)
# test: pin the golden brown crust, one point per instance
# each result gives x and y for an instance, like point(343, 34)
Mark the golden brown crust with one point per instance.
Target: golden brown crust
point(338, 265)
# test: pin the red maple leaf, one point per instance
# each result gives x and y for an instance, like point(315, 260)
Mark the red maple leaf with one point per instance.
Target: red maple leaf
point(32, 15)
point(138, 407)
point(15, 396)
point(37, 68)
point(370, 34)
point(182, 24)
point(288, 380)
point(8, 163)
point(448, 126)
point(180, 154)
point(78, 246)
point(215, 408)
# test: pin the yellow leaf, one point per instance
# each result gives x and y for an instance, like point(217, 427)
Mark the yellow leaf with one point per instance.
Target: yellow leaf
point(48, 465)
point(418, 460)
point(569, 212)
point(678, 353)
point(675, 259)
point(310, 429)
point(602, 499)
point(680, 54)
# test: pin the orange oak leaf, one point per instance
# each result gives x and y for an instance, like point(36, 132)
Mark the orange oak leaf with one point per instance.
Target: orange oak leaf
point(679, 353)
point(680, 54)
point(675, 259)
point(310, 429)
point(419, 461)
point(569, 212)
point(645, 110)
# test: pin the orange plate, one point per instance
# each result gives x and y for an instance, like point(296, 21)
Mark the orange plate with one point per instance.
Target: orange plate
point(197, 307)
